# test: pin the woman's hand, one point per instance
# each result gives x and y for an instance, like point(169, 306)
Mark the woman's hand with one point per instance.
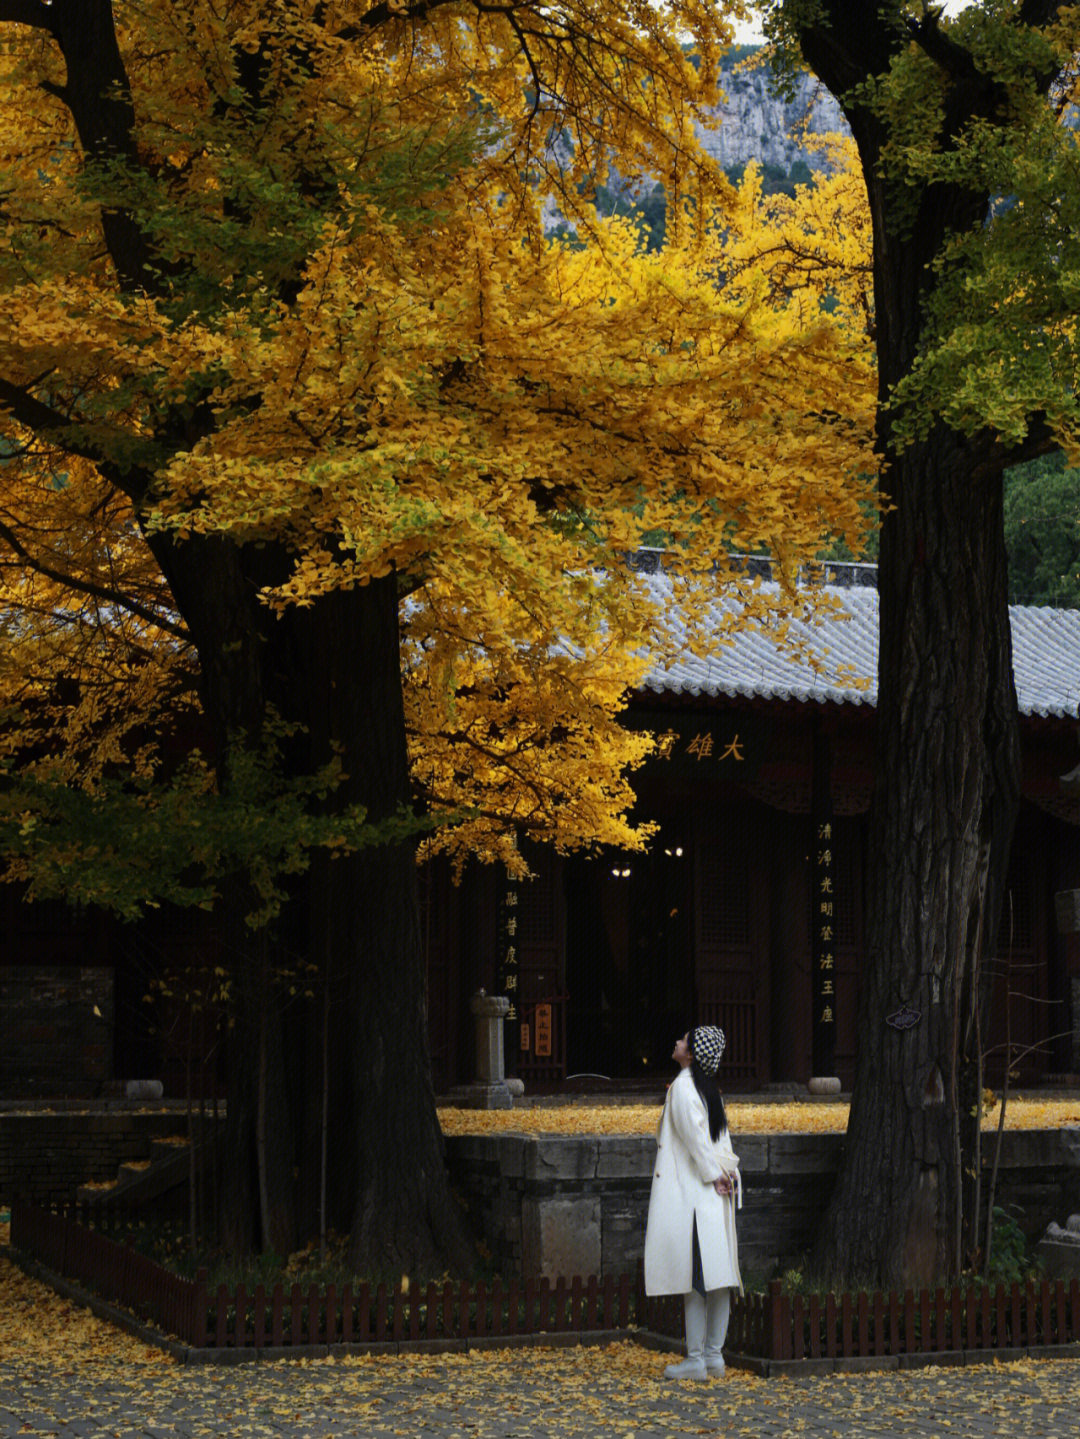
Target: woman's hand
point(722, 1185)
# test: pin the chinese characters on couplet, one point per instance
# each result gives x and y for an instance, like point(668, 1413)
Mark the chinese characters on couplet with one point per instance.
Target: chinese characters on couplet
point(701, 747)
point(824, 935)
point(507, 950)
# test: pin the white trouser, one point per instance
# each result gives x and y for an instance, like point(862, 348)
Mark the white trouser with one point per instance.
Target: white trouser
point(717, 1314)
point(706, 1329)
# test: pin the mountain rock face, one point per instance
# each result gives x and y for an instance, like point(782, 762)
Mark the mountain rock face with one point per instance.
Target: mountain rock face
point(756, 124)
point(752, 123)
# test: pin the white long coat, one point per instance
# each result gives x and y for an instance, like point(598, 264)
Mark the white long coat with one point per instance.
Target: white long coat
point(688, 1161)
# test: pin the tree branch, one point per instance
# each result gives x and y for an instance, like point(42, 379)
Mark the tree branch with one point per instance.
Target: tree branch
point(87, 587)
point(97, 94)
point(1038, 441)
point(952, 57)
point(851, 41)
point(384, 14)
point(50, 424)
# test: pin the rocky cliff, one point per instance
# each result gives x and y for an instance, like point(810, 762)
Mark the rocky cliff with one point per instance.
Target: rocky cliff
point(754, 123)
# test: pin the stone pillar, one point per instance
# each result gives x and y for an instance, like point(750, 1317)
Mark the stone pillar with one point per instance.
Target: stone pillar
point(489, 1090)
point(490, 1011)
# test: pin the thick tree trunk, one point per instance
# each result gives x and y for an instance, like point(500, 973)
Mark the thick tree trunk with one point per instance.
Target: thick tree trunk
point(940, 830)
point(388, 1184)
point(335, 668)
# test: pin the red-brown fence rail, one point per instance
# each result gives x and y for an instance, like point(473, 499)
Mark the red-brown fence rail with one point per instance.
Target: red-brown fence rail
point(767, 1326)
point(928, 1321)
point(115, 1271)
point(260, 1318)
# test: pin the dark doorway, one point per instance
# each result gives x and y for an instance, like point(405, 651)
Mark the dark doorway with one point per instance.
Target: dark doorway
point(629, 960)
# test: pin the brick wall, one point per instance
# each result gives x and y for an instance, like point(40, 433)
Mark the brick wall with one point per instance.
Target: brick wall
point(47, 1156)
point(52, 1042)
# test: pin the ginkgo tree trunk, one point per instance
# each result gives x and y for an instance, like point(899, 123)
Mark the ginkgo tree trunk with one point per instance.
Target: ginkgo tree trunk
point(970, 182)
point(302, 403)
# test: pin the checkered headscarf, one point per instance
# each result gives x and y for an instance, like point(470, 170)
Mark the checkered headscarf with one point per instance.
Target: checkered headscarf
point(707, 1045)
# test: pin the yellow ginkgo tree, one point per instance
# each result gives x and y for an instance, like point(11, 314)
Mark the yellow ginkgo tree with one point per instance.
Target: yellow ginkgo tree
point(309, 423)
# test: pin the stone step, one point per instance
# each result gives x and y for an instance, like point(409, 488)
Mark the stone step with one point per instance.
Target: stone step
point(166, 1148)
point(138, 1181)
point(131, 1170)
point(96, 1192)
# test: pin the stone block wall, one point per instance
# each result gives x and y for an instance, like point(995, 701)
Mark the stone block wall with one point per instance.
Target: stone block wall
point(51, 1040)
point(552, 1205)
point(46, 1156)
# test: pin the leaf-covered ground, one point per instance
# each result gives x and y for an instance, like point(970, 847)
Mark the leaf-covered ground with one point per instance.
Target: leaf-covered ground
point(745, 1118)
point(37, 1327)
point(65, 1373)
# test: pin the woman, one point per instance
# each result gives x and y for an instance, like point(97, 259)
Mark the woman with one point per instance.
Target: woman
point(690, 1245)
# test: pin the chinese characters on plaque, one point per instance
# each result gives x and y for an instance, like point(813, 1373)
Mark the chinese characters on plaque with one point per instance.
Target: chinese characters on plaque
point(507, 969)
point(726, 746)
point(543, 1031)
point(701, 746)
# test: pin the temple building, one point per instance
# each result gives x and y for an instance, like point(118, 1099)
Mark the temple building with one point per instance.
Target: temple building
point(755, 881)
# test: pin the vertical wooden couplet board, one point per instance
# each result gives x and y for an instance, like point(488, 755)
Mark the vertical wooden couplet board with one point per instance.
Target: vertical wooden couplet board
point(823, 910)
point(508, 981)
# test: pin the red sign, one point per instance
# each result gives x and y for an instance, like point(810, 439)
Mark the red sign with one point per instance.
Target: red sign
point(543, 1030)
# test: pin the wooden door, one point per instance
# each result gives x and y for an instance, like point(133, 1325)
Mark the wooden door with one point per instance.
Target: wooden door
point(732, 941)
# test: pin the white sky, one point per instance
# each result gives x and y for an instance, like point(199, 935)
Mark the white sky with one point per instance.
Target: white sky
point(747, 32)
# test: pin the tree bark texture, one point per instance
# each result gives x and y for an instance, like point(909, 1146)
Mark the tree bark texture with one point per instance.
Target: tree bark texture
point(947, 785)
point(334, 668)
point(940, 829)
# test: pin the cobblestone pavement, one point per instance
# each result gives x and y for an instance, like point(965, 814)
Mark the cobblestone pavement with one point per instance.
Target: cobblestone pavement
point(64, 1372)
point(525, 1394)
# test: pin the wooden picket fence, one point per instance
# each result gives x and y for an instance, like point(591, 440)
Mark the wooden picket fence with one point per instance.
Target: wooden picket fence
point(115, 1271)
point(970, 1319)
point(975, 1318)
point(772, 1325)
point(284, 1317)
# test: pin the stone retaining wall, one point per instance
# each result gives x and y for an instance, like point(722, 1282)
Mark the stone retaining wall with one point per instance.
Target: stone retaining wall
point(562, 1205)
point(45, 1157)
point(553, 1205)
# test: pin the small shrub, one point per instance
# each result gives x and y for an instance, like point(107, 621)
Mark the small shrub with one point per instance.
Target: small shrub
point(1011, 1261)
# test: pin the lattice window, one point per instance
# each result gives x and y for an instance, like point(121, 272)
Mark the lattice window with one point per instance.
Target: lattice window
point(1018, 885)
point(724, 901)
point(537, 907)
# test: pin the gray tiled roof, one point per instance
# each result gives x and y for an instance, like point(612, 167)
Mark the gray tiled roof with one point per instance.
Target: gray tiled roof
point(1046, 659)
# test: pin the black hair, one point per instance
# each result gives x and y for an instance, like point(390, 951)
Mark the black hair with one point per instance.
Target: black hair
point(708, 1086)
